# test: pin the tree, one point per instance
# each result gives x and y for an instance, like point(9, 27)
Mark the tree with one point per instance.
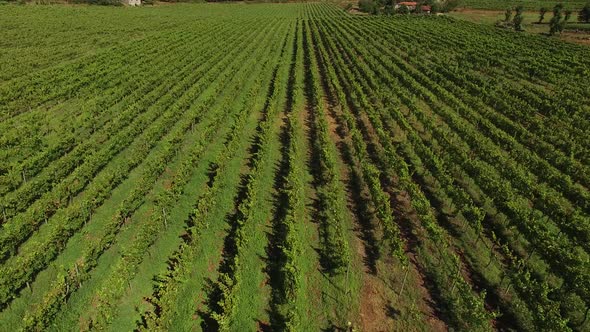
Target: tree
point(437, 7)
point(389, 7)
point(418, 9)
point(518, 19)
point(555, 25)
point(563, 22)
point(388, 10)
point(542, 12)
point(508, 15)
point(584, 14)
point(568, 15)
point(403, 9)
point(367, 6)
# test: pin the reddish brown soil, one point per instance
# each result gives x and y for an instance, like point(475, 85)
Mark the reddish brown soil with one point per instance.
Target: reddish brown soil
point(372, 300)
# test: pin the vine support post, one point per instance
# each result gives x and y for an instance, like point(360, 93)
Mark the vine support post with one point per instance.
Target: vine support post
point(455, 280)
point(165, 221)
point(78, 275)
point(404, 281)
point(507, 289)
point(491, 255)
point(348, 290)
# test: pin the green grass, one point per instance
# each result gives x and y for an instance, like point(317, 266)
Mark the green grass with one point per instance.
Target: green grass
point(82, 301)
point(155, 261)
point(253, 291)
point(210, 244)
point(530, 24)
point(579, 26)
point(527, 4)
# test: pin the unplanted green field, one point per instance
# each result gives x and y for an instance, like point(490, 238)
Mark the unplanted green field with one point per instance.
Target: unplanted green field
point(527, 4)
point(575, 32)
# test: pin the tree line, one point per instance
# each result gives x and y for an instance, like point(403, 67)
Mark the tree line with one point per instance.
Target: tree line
point(559, 20)
point(390, 7)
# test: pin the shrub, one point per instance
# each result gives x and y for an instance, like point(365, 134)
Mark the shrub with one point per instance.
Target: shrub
point(584, 14)
point(518, 19)
point(403, 10)
point(557, 21)
point(508, 15)
point(367, 6)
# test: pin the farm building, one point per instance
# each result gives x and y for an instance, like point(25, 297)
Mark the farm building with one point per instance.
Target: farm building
point(132, 2)
point(412, 6)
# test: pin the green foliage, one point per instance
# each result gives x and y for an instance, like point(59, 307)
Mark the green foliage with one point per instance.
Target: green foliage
point(437, 7)
point(368, 6)
point(418, 9)
point(511, 22)
point(518, 19)
point(584, 14)
point(508, 15)
point(531, 5)
point(388, 7)
point(100, 2)
point(542, 13)
point(403, 9)
point(557, 23)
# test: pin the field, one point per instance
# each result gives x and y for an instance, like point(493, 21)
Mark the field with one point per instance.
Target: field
point(527, 4)
point(575, 32)
point(289, 167)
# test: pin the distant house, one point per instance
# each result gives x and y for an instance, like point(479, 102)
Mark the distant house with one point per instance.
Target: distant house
point(412, 6)
point(132, 2)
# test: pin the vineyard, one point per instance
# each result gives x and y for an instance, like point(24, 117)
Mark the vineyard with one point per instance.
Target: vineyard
point(289, 167)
